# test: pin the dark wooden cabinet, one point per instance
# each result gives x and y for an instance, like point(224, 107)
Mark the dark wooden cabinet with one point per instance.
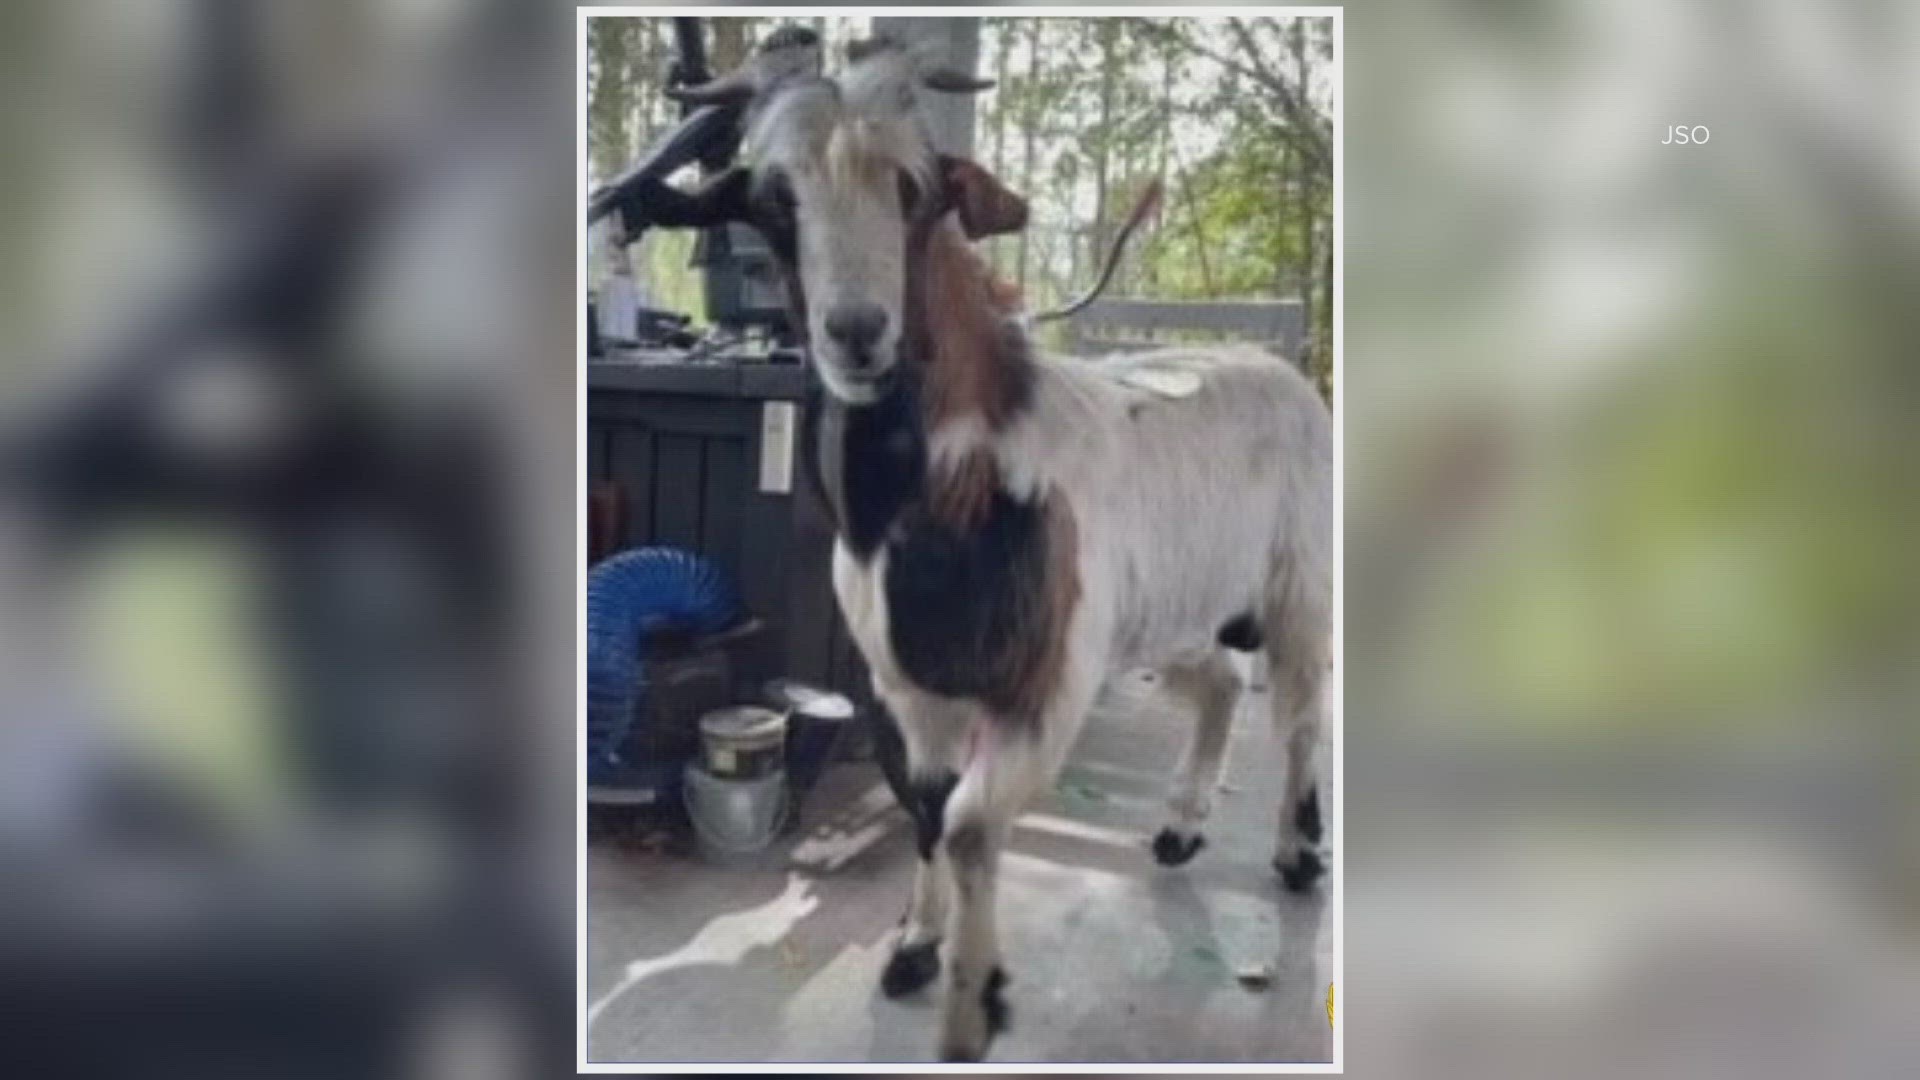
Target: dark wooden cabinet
point(707, 457)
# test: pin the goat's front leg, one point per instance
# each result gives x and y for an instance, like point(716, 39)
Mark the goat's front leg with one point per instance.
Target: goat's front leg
point(981, 814)
point(1210, 686)
point(918, 754)
point(1008, 764)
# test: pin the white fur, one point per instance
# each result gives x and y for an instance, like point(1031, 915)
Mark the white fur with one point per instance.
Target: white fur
point(953, 440)
point(1189, 511)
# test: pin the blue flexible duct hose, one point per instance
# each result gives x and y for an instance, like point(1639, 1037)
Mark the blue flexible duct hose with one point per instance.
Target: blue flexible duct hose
point(629, 595)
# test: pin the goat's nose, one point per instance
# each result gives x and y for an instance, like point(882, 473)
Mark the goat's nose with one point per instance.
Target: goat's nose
point(856, 326)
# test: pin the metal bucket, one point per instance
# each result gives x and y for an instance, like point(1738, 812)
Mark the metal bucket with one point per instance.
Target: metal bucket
point(733, 818)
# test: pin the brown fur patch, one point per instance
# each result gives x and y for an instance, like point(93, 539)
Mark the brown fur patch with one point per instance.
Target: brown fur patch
point(1006, 294)
point(972, 365)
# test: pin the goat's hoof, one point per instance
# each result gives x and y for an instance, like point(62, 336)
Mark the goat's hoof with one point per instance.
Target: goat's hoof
point(910, 968)
point(1172, 849)
point(1300, 874)
point(993, 1011)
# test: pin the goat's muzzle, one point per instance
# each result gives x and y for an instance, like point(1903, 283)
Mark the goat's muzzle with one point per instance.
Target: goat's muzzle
point(857, 329)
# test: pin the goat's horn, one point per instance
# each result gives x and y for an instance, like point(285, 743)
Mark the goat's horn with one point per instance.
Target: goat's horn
point(732, 89)
point(787, 51)
point(952, 81)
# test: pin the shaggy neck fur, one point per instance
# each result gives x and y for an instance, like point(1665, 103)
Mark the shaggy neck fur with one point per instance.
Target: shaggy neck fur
point(975, 371)
point(975, 362)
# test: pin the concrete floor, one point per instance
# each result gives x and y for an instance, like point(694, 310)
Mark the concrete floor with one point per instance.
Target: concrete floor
point(1112, 958)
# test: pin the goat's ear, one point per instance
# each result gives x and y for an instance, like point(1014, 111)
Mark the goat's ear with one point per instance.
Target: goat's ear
point(986, 207)
point(716, 202)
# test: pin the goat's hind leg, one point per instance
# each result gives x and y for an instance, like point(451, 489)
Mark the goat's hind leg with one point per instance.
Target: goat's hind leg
point(1299, 711)
point(1210, 686)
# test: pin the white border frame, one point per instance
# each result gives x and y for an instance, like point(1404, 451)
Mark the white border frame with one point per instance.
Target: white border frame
point(1338, 703)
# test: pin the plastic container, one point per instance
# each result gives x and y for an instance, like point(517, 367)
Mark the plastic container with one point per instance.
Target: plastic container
point(732, 818)
point(744, 742)
point(817, 721)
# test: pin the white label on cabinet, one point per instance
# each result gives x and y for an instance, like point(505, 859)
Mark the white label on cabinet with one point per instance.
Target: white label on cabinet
point(776, 446)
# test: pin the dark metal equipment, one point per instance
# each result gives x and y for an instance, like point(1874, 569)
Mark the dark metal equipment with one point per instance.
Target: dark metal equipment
point(738, 275)
point(742, 284)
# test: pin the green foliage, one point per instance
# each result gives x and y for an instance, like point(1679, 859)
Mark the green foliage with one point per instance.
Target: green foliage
point(1233, 116)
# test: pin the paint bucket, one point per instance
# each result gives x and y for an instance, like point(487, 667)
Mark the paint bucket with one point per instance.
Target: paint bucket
point(744, 742)
point(734, 818)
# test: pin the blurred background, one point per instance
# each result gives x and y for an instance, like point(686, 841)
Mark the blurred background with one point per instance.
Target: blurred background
point(288, 541)
point(1630, 519)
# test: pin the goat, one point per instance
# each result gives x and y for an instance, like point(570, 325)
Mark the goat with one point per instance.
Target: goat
point(1011, 528)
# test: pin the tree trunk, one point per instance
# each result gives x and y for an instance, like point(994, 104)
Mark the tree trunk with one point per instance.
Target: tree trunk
point(1030, 119)
point(1199, 233)
point(1323, 326)
point(955, 42)
point(1160, 157)
point(1003, 100)
point(610, 147)
point(732, 38)
point(1287, 182)
point(1002, 55)
point(645, 70)
point(1303, 187)
point(1103, 145)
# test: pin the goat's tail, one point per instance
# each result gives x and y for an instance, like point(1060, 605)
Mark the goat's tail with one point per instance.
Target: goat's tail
point(1149, 202)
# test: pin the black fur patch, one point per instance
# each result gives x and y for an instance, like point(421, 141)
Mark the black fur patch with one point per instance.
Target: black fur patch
point(890, 751)
point(967, 847)
point(1299, 875)
point(872, 462)
point(929, 810)
point(910, 968)
point(1241, 633)
point(1306, 815)
point(1171, 849)
point(994, 1002)
point(966, 602)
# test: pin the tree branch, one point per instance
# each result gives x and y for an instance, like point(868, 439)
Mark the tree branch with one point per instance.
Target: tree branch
point(1292, 98)
point(1312, 140)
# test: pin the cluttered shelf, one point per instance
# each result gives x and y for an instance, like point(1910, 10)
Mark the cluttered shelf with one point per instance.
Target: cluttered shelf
point(661, 371)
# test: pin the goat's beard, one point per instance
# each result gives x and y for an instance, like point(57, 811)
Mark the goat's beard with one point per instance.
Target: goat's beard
point(856, 388)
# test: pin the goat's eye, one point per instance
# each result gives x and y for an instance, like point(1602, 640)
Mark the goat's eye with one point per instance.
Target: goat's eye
point(909, 190)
